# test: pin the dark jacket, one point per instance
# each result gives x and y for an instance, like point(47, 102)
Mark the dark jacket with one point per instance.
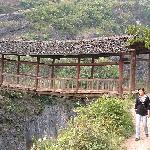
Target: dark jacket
point(142, 107)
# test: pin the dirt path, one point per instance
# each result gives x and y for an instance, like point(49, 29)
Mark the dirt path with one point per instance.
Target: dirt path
point(142, 144)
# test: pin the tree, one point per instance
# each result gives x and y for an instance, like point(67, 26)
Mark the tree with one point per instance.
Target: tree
point(142, 34)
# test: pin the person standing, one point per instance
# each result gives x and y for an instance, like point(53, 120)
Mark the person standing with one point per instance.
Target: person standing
point(142, 108)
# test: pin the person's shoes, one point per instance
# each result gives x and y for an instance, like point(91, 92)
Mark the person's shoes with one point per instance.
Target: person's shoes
point(147, 135)
point(137, 139)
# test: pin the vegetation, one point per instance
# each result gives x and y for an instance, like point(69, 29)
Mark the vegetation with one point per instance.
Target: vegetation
point(85, 71)
point(142, 34)
point(15, 102)
point(99, 126)
point(69, 19)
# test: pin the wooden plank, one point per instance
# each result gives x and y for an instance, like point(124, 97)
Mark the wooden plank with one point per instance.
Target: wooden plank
point(132, 71)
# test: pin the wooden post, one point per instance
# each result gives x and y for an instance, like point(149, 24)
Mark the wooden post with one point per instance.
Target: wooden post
point(18, 68)
point(148, 84)
point(92, 72)
point(37, 72)
point(92, 69)
point(2, 70)
point(121, 74)
point(78, 74)
point(52, 74)
point(132, 71)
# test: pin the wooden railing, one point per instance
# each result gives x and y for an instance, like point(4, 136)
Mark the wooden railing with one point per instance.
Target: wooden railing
point(62, 85)
point(69, 84)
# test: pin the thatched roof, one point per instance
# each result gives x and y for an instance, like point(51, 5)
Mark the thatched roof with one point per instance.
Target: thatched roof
point(103, 45)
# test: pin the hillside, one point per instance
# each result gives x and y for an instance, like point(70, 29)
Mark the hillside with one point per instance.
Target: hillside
point(70, 19)
point(13, 25)
point(12, 21)
point(9, 2)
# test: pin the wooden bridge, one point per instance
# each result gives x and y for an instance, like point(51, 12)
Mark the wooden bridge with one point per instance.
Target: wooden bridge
point(13, 78)
point(16, 79)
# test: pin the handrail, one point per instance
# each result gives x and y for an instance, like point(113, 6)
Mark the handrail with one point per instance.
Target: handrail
point(61, 84)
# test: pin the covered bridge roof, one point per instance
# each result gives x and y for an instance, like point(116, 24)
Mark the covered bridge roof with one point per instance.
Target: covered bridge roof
point(102, 45)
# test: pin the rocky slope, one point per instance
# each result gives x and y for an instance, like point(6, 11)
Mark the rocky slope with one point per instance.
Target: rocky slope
point(26, 117)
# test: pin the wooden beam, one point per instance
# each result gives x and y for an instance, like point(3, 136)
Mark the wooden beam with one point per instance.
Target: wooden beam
point(121, 74)
point(2, 70)
point(76, 56)
point(18, 68)
point(67, 64)
point(132, 71)
point(37, 72)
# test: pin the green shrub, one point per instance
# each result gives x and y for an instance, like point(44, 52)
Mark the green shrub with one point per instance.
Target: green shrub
point(101, 125)
point(113, 114)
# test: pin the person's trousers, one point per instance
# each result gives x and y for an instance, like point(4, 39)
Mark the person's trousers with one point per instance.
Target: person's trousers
point(139, 119)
